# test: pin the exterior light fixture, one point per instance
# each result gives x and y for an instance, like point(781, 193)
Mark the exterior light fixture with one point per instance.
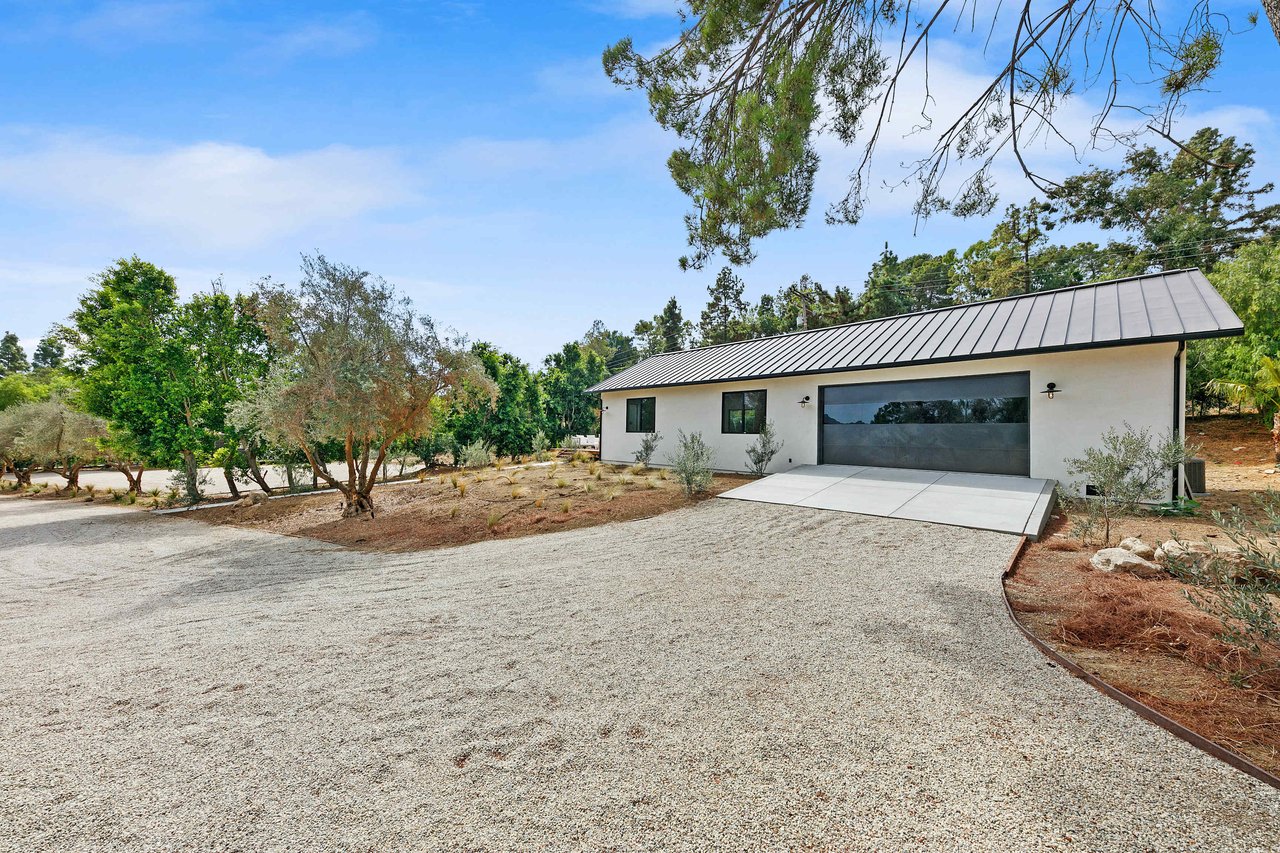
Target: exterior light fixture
point(1051, 389)
point(804, 401)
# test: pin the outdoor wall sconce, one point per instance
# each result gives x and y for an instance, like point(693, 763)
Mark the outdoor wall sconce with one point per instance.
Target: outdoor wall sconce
point(804, 401)
point(1051, 389)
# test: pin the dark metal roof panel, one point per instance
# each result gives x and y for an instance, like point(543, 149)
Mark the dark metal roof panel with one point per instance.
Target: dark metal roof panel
point(1174, 305)
point(1106, 314)
point(1080, 323)
point(1008, 339)
point(1033, 329)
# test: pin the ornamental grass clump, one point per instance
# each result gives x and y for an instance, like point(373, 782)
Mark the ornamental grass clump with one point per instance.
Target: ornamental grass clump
point(691, 463)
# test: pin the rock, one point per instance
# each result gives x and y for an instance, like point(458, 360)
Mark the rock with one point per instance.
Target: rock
point(1269, 471)
point(1160, 556)
point(244, 502)
point(1137, 546)
point(1121, 560)
point(1174, 548)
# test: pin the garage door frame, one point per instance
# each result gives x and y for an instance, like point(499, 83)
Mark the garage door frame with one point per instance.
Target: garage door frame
point(822, 403)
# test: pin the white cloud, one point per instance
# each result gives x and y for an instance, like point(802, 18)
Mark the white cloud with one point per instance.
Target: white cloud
point(127, 22)
point(207, 194)
point(580, 78)
point(341, 37)
point(637, 8)
point(635, 143)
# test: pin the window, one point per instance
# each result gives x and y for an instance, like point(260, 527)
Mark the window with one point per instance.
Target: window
point(742, 411)
point(640, 414)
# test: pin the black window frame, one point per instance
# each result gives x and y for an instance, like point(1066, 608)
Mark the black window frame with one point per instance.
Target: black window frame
point(640, 421)
point(761, 411)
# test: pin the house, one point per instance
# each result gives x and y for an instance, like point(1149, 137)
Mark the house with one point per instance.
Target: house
point(1007, 386)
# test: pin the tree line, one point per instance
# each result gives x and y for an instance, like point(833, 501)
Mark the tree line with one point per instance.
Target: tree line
point(334, 379)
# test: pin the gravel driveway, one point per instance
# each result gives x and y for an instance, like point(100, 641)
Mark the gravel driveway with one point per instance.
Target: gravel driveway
point(732, 675)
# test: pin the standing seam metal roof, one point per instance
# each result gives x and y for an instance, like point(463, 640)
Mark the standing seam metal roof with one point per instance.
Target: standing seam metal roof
point(1166, 306)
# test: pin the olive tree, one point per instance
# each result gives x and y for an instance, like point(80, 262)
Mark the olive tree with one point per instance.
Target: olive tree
point(52, 435)
point(61, 438)
point(356, 365)
point(1128, 467)
point(13, 459)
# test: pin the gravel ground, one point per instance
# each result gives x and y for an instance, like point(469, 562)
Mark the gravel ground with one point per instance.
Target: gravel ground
point(734, 675)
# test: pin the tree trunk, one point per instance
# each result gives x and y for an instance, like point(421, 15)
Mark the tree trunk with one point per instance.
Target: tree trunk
point(255, 470)
point(1272, 8)
point(23, 475)
point(72, 475)
point(231, 483)
point(135, 481)
point(356, 503)
point(193, 475)
point(1275, 436)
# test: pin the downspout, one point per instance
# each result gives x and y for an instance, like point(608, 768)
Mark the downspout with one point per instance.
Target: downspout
point(1177, 413)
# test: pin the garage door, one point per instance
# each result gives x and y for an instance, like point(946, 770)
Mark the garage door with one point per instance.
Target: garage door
point(964, 423)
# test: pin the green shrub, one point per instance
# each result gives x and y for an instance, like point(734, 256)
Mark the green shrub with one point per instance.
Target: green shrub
point(1242, 590)
point(762, 452)
point(1128, 468)
point(691, 462)
point(648, 446)
point(477, 454)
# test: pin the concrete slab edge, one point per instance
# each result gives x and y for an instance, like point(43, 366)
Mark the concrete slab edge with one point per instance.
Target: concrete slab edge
point(1041, 511)
point(1151, 715)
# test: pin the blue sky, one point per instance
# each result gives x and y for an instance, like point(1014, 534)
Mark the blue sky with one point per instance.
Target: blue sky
point(470, 152)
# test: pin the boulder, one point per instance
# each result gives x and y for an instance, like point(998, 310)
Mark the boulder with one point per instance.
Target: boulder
point(1174, 548)
point(1136, 546)
point(1123, 560)
point(252, 499)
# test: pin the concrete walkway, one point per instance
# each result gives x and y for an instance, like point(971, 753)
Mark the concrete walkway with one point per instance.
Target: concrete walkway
point(984, 501)
point(732, 676)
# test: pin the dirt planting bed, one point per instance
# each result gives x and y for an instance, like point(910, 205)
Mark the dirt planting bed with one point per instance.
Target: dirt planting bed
point(450, 508)
point(1145, 637)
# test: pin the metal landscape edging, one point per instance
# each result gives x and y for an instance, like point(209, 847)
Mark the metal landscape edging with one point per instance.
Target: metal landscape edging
point(1151, 715)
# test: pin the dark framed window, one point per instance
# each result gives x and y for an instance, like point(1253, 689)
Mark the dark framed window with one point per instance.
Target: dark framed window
point(742, 411)
point(640, 414)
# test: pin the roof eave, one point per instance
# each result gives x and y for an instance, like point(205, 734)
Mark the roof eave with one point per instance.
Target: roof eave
point(1205, 335)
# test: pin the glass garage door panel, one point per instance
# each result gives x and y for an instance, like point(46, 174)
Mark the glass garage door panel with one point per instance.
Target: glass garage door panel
point(967, 423)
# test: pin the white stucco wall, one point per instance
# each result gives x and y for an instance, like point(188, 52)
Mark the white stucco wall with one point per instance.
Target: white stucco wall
point(1101, 388)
